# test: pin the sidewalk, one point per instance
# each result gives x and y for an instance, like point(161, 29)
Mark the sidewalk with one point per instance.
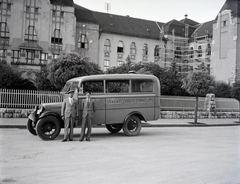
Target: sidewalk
point(21, 122)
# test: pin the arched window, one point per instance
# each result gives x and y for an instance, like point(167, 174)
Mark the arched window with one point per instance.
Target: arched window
point(56, 37)
point(199, 51)
point(120, 47)
point(156, 50)
point(107, 45)
point(83, 42)
point(4, 31)
point(145, 49)
point(133, 48)
point(30, 34)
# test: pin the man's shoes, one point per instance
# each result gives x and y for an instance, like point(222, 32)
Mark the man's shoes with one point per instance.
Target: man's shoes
point(80, 140)
point(70, 139)
point(88, 140)
point(64, 140)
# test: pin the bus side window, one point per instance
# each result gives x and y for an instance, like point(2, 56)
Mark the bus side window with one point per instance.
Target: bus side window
point(93, 86)
point(142, 86)
point(121, 86)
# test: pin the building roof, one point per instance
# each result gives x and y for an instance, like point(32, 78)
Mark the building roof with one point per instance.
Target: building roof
point(84, 15)
point(126, 25)
point(189, 22)
point(178, 28)
point(204, 29)
point(233, 5)
point(62, 2)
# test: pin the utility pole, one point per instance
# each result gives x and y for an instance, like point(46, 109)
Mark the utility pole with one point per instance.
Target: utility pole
point(107, 7)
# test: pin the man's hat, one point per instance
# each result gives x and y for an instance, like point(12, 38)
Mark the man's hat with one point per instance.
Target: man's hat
point(70, 91)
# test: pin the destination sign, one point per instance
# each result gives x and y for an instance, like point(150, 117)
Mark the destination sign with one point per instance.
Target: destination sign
point(129, 100)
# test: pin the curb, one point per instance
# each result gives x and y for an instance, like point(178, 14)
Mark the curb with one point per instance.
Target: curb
point(143, 125)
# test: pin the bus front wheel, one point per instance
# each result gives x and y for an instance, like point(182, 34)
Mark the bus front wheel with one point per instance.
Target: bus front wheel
point(132, 126)
point(114, 128)
point(48, 128)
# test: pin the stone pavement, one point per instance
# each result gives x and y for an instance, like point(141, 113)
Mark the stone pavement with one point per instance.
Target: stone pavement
point(21, 122)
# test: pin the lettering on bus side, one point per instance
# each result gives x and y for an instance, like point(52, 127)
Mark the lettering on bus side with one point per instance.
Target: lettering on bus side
point(129, 100)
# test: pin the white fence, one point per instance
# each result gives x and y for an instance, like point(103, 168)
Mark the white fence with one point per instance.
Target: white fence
point(27, 99)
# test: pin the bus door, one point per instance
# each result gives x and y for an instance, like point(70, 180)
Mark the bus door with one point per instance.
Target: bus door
point(96, 88)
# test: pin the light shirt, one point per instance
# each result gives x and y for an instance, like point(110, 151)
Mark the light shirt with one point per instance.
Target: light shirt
point(71, 100)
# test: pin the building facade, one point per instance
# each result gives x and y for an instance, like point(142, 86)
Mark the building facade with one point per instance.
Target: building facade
point(33, 32)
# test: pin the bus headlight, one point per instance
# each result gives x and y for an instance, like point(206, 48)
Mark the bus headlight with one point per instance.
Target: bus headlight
point(40, 110)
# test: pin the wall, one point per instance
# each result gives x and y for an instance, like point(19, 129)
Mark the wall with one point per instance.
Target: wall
point(127, 40)
point(223, 60)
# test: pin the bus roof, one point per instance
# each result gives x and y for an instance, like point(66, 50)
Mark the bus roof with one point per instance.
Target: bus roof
point(114, 77)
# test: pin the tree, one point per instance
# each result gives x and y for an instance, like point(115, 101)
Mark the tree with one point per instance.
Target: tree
point(68, 66)
point(197, 84)
point(42, 82)
point(236, 92)
point(222, 89)
point(124, 68)
point(173, 81)
point(11, 79)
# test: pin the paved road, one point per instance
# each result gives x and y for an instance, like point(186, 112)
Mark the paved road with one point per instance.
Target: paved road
point(169, 155)
point(21, 122)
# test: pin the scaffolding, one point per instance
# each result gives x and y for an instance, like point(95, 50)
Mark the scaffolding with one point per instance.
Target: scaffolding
point(187, 54)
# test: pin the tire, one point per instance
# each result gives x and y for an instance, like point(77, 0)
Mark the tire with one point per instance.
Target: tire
point(31, 127)
point(114, 128)
point(48, 128)
point(132, 126)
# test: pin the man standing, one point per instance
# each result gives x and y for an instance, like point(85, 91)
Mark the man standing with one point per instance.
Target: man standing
point(88, 109)
point(69, 115)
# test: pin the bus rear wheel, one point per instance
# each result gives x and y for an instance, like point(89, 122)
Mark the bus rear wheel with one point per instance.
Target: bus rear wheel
point(114, 128)
point(132, 126)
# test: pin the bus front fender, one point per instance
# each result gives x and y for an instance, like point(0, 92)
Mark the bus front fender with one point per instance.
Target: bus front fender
point(48, 113)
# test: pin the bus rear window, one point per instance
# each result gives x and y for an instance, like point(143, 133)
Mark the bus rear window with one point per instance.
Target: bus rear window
point(142, 85)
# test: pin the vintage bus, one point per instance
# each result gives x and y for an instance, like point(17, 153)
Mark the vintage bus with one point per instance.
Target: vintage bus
point(122, 102)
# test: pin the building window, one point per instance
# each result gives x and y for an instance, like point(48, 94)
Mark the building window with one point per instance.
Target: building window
point(56, 37)
point(133, 48)
point(30, 56)
point(106, 64)
point(3, 55)
point(30, 34)
point(178, 52)
point(35, 10)
point(199, 51)
point(156, 50)
point(191, 53)
point(83, 42)
point(208, 50)
point(145, 49)
point(9, 6)
point(120, 47)
point(62, 14)
point(4, 31)
point(55, 56)
point(107, 45)
point(15, 56)
point(224, 23)
point(119, 63)
point(43, 58)
point(28, 9)
point(54, 13)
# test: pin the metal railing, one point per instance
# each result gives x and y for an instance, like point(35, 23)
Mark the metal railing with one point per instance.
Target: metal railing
point(27, 99)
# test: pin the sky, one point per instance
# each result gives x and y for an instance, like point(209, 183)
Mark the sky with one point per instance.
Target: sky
point(158, 10)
